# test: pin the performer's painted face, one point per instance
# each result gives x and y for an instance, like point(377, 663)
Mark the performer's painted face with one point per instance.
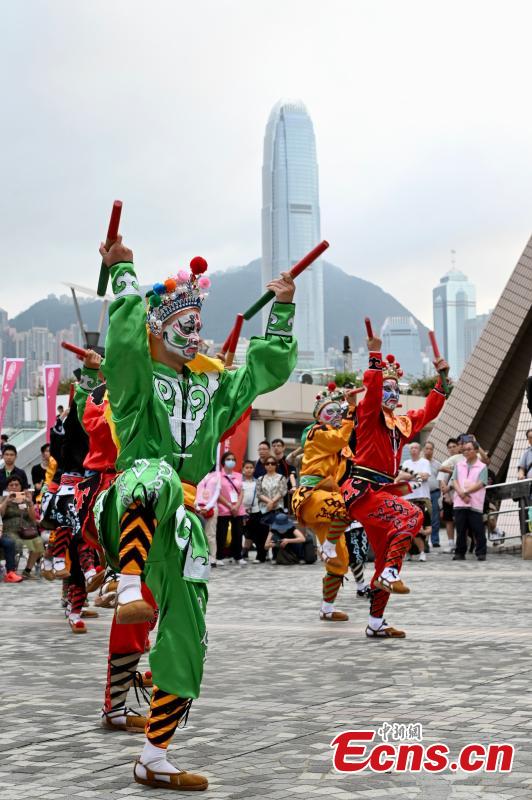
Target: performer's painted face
point(390, 394)
point(331, 414)
point(180, 334)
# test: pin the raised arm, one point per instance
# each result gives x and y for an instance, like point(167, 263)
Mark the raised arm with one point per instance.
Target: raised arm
point(270, 359)
point(370, 406)
point(127, 365)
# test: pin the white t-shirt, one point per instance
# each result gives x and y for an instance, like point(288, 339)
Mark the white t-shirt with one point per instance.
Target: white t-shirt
point(421, 465)
point(449, 463)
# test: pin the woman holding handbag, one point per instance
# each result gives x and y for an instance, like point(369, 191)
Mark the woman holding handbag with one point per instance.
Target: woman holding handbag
point(230, 510)
point(271, 490)
point(20, 523)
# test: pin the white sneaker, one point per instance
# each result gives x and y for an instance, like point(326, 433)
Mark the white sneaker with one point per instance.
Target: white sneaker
point(220, 562)
point(242, 562)
point(422, 557)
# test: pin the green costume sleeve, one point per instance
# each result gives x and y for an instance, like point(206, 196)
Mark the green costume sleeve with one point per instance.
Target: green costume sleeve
point(87, 383)
point(127, 366)
point(270, 360)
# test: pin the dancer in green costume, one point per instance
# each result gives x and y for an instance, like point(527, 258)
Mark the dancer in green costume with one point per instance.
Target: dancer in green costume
point(170, 406)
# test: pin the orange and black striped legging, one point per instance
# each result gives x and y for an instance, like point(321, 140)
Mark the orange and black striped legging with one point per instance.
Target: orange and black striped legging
point(166, 712)
point(137, 528)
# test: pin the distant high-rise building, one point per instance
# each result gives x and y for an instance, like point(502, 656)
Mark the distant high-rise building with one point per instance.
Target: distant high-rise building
point(291, 219)
point(453, 302)
point(473, 330)
point(400, 336)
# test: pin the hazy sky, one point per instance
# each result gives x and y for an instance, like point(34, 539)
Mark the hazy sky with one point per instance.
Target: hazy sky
point(421, 110)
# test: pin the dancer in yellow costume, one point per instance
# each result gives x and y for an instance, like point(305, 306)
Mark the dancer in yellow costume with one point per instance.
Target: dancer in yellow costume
point(318, 502)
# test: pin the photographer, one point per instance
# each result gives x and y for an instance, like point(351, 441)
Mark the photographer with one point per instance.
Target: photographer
point(285, 541)
point(20, 524)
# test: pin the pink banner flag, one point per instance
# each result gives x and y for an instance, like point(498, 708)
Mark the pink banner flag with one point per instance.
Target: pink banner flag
point(12, 368)
point(52, 373)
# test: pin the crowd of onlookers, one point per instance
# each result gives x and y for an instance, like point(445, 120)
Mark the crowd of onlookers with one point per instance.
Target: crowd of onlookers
point(19, 514)
point(250, 510)
point(453, 493)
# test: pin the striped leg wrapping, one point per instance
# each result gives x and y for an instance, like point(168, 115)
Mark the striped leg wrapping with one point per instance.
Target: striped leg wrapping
point(121, 668)
point(379, 599)
point(358, 571)
point(137, 527)
point(397, 549)
point(336, 529)
point(61, 542)
point(331, 585)
point(76, 598)
point(166, 712)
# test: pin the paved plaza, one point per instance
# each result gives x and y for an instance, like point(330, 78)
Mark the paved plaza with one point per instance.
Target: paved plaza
point(280, 685)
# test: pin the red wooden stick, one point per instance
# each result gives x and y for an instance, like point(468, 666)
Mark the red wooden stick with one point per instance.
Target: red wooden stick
point(234, 334)
point(434, 345)
point(114, 222)
point(307, 260)
point(80, 352)
point(369, 329)
point(112, 234)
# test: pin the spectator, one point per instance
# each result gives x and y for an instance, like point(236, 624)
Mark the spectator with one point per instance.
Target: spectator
point(285, 541)
point(284, 468)
point(7, 551)
point(38, 472)
point(420, 496)
point(20, 523)
point(264, 452)
point(4, 438)
point(469, 480)
point(454, 450)
point(525, 465)
point(254, 531)
point(230, 510)
point(271, 490)
point(10, 470)
point(435, 493)
point(206, 505)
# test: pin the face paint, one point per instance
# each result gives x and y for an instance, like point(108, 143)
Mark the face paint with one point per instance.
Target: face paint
point(331, 414)
point(180, 335)
point(390, 394)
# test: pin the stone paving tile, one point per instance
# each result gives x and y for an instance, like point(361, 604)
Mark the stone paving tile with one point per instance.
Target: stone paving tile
point(279, 685)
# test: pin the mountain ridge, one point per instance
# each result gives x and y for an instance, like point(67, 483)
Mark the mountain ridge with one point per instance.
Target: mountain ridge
point(348, 299)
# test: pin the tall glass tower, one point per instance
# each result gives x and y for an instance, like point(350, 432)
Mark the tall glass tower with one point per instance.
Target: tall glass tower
point(453, 302)
point(291, 219)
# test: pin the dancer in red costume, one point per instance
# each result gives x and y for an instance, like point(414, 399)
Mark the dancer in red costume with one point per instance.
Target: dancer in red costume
point(126, 642)
point(373, 484)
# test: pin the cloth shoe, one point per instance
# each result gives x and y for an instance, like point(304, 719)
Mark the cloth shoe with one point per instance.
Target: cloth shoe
point(384, 632)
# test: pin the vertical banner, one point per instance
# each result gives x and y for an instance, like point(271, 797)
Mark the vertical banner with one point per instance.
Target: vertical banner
point(52, 373)
point(235, 439)
point(12, 368)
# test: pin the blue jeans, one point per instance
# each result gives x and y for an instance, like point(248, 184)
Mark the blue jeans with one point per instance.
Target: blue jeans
point(8, 547)
point(435, 533)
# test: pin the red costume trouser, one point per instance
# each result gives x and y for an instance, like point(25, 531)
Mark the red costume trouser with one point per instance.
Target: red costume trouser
point(126, 645)
point(390, 523)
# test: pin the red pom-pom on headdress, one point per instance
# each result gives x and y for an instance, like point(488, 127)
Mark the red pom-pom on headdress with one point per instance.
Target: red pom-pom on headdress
point(331, 386)
point(390, 359)
point(198, 265)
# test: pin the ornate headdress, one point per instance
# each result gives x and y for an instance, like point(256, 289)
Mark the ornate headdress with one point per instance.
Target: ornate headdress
point(331, 395)
point(180, 291)
point(391, 368)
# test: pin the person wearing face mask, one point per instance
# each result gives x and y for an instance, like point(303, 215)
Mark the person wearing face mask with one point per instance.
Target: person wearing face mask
point(230, 510)
point(170, 407)
point(373, 485)
point(317, 502)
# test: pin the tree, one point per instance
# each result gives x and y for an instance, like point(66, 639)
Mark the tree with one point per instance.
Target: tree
point(423, 386)
point(341, 378)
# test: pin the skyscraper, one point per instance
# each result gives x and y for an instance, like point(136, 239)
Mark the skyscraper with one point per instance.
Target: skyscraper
point(400, 336)
point(291, 218)
point(453, 302)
